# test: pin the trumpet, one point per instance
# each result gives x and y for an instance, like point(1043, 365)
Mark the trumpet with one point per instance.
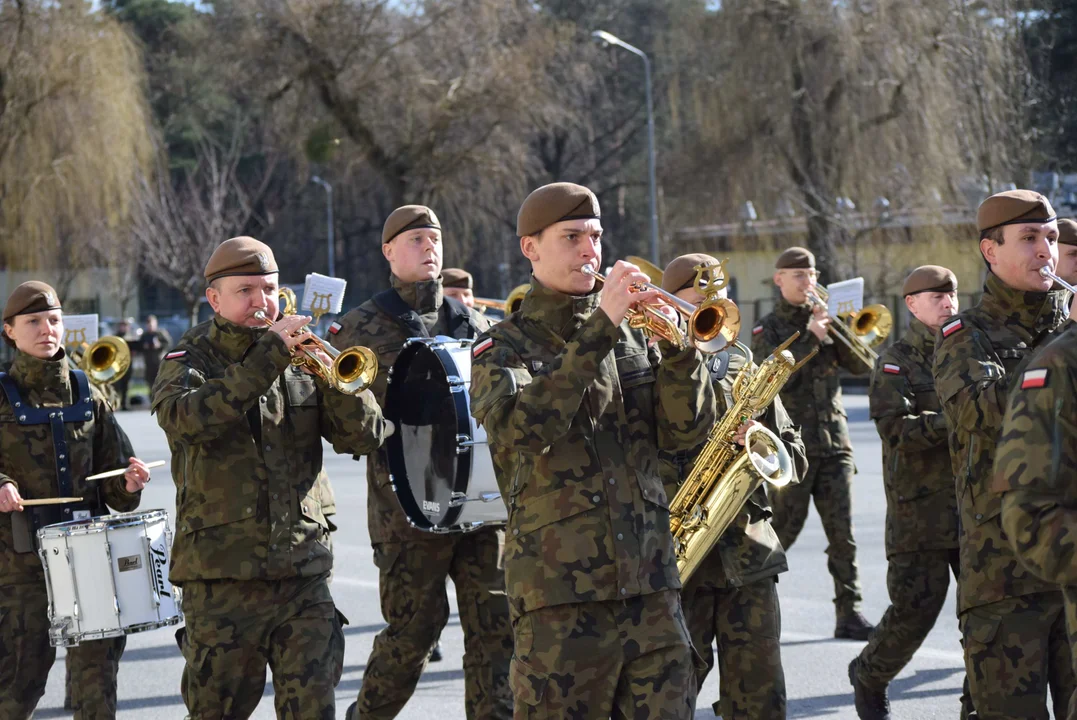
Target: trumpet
point(712, 327)
point(866, 328)
point(1046, 272)
point(104, 362)
point(353, 369)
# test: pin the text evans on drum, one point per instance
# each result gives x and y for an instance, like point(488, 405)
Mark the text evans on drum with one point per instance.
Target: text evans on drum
point(439, 462)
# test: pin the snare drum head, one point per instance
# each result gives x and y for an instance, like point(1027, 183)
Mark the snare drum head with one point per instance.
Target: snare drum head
point(427, 401)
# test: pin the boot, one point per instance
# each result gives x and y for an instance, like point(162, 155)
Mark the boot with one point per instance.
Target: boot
point(435, 654)
point(870, 704)
point(852, 625)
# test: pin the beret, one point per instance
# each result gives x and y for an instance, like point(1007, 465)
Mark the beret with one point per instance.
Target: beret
point(240, 256)
point(408, 217)
point(929, 278)
point(1013, 206)
point(795, 258)
point(30, 297)
point(555, 203)
point(1067, 231)
point(456, 278)
point(681, 272)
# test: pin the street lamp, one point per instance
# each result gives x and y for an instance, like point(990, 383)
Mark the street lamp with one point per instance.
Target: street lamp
point(614, 40)
point(329, 220)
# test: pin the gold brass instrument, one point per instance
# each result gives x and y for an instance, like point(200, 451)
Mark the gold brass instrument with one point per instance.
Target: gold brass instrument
point(353, 370)
point(510, 304)
point(104, 362)
point(712, 327)
point(726, 474)
point(1046, 272)
point(649, 269)
point(863, 331)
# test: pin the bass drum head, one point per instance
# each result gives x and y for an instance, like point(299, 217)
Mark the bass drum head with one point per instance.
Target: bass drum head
point(427, 401)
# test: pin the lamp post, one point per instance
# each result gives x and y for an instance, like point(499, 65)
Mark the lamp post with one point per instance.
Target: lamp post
point(329, 221)
point(614, 40)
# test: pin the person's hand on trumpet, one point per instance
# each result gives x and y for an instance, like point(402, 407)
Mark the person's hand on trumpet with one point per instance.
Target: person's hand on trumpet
point(291, 330)
point(619, 292)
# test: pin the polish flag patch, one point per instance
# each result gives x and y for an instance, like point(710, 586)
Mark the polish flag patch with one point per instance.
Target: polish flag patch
point(892, 369)
point(175, 355)
point(334, 328)
point(1034, 379)
point(757, 329)
point(950, 328)
point(482, 347)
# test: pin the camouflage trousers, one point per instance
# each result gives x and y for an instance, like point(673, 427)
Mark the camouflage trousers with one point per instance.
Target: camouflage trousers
point(629, 660)
point(415, 604)
point(26, 658)
point(746, 622)
point(1014, 650)
point(1070, 598)
point(828, 482)
point(235, 628)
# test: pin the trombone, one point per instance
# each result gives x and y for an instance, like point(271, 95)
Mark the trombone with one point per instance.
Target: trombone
point(712, 327)
point(353, 369)
point(865, 329)
point(1046, 272)
point(510, 304)
point(104, 362)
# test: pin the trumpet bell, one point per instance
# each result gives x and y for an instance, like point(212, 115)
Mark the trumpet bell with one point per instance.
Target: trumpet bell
point(287, 301)
point(107, 360)
point(872, 324)
point(516, 298)
point(714, 325)
point(354, 370)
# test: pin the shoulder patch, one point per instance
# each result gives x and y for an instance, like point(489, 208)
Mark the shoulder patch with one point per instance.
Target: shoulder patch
point(952, 327)
point(334, 328)
point(1034, 378)
point(891, 368)
point(482, 347)
point(757, 329)
point(175, 355)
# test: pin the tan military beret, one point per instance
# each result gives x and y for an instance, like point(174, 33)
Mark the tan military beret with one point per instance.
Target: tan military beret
point(240, 256)
point(795, 258)
point(30, 297)
point(929, 278)
point(1067, 231)
point(456, 278)
point(1013, 206)
point(409, 217)
point(555, 203)
point(681, 272)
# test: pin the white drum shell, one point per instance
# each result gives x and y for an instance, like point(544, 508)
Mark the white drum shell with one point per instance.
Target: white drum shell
point(108, 576)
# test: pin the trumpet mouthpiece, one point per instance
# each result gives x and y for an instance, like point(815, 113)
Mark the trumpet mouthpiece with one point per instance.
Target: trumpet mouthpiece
point(1045, 271)
point(260, 315)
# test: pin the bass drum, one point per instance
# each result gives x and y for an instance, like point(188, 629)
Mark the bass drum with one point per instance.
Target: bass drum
point(439, 461)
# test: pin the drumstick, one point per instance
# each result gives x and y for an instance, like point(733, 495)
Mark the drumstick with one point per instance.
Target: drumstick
point(51, 501)
point(121, 471)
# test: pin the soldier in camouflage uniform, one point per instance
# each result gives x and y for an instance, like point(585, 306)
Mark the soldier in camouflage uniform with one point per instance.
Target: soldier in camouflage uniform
point(1035, 466)
point(252, 541)
point(1011, 621)
point(33, 465)
point(459, 285)
point(1067, 257)
point(414, 565)
point(921, 508)
point(576, 407)
point(813, 398)
point(733, 597)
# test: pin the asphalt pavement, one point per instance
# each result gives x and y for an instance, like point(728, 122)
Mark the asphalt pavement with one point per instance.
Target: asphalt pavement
point(815, 663)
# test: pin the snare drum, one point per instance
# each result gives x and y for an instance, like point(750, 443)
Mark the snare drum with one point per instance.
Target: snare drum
point(439, 461)
point(108, 576)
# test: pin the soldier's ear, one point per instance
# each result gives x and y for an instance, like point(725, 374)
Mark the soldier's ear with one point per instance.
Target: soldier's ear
point(529, 246)
point(989, 249)
point(387, 251)
point(213, 297)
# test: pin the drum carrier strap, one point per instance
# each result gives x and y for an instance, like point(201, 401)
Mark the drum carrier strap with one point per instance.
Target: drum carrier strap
point(460, 327)
point(81, 410)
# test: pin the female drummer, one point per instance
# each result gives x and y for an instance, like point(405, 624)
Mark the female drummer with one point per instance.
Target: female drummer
point(55, 429)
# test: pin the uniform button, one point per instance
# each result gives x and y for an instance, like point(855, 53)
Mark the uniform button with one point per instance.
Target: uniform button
point(272, 547)
point(623, 591)
point(269, 448)
point(263, 398)
point(901, 497)
point(612, 481)
point(516, 531)
point(620, 536)
point(596, 498)
point(250, 510)
point(979, 516)
point(275, 496)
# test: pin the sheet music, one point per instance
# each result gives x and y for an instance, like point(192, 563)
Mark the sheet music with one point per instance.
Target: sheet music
point(80, 329)
point(323, 293)
point(846, 297)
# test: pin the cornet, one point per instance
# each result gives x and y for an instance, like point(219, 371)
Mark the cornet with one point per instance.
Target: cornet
point(1046, 272)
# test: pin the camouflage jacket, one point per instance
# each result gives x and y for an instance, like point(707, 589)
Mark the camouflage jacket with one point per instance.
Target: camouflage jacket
point(28, 460)
point(369, 326)
point(975, 355)
point(749, 550)
point(575, 410)
point(1036, 464)
point(245, 429)
point(921, 508)
point(813, 394)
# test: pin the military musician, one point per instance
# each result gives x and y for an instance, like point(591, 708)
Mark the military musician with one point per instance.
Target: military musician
point(459, 285)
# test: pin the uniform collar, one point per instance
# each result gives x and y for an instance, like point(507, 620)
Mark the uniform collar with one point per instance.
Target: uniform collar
point(232, 339)
point(797, 314)
point(920, 336)
point(1035, 311)
point(422, 297)
point(564, 314)
point(48, 378)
